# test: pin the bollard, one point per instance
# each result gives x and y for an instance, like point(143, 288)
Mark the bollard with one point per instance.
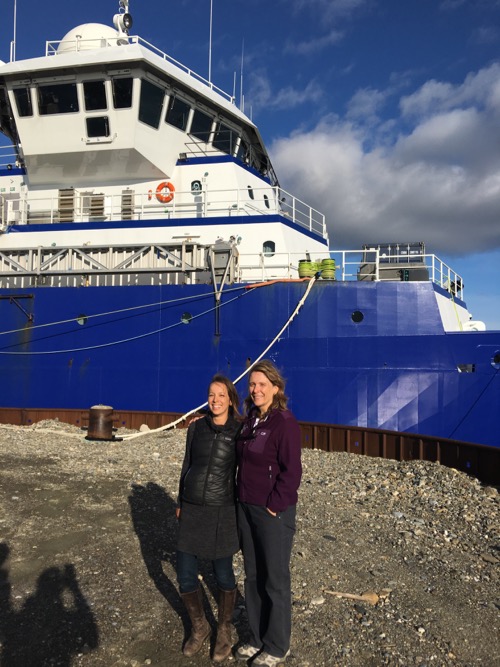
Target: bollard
point(100, 423)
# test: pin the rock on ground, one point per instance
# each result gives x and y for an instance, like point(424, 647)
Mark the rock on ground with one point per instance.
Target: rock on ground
point(87, 552)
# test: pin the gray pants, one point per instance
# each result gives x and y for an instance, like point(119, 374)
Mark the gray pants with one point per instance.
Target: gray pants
point(266, 543)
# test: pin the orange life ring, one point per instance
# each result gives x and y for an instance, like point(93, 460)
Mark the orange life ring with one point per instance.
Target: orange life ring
point(163, 197)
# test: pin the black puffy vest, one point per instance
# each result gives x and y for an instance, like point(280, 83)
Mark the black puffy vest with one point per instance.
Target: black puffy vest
point(210, 477)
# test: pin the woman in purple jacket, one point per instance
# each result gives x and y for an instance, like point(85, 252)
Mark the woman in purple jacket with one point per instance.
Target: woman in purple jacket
point(269, 470)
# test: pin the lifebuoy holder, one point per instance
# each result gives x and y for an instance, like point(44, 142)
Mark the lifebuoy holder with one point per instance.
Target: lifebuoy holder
point(165, 192)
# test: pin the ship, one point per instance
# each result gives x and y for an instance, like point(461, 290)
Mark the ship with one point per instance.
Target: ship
point(146, 243)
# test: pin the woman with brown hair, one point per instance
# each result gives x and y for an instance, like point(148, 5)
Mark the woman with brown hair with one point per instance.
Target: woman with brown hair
point(207, 515)
point(268, 452)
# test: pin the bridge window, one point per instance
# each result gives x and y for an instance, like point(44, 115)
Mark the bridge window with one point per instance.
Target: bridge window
point(23, 101)
point(243, 152)
point(94, 94)
point(122, 93)
point(98, 126)
point(57, 98)
point(177, 113)
point(151, 104)
point(201, 126)
point(224, 138)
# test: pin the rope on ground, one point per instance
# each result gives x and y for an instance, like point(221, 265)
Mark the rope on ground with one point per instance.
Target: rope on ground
point(262, 354)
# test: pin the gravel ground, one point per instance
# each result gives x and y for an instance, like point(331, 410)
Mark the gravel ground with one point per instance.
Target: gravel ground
point(87, 544)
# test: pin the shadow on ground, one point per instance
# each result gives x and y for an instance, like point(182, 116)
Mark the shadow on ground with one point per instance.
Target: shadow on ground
point(52, 625)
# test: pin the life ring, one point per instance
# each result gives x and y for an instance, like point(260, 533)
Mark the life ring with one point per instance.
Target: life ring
point(161, 195)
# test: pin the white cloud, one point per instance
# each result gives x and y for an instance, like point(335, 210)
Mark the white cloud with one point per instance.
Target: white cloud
point(485, 35)
point(366, 103)
point(329, 9)
point(315, 44)
point(478, 89)
point(438, 180)
point(262, 96)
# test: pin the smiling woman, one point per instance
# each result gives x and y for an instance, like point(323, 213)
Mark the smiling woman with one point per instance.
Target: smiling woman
point(269, 473)
point(207, 515)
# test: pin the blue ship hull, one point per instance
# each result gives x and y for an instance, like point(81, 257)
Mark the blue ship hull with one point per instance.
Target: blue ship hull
point(157, 348)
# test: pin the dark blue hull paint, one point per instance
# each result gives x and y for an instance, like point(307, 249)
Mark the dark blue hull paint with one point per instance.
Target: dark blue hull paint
point(396, 369)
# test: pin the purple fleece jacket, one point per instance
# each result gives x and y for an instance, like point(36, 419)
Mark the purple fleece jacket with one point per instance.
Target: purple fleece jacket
point(268, 458)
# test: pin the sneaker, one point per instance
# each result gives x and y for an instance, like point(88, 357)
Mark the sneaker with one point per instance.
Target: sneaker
point(246, 651)
point(265, 659)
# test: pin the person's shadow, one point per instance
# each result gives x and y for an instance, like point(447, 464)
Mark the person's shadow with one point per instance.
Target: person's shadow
point(155, 524)
point(54, 623)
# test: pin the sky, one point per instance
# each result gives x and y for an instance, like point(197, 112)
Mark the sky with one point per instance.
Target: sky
point(383, 114)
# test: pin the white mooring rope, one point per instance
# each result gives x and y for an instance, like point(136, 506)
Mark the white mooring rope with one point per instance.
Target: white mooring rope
point(283, 328)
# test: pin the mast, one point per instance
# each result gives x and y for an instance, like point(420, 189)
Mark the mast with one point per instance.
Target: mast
point(13, 43)
point(210, 45)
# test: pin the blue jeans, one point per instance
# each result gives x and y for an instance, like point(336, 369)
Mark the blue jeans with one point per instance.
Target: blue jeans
point(187, 572)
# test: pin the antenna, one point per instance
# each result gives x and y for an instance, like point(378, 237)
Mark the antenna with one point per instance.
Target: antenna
point(210, 45)
point(13, 43)
point(242, 98)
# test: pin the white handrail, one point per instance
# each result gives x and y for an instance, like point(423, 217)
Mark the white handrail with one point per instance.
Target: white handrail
point(77, 45)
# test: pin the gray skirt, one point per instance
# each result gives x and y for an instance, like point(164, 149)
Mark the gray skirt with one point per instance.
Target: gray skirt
point(208, 532)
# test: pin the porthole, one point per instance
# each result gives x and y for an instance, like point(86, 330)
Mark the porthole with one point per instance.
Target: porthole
point(250, 192)
point(495, 362)
point(266, 201)
point(269, 248)
point(357, 317)
point(186, 318)
point(82, 319)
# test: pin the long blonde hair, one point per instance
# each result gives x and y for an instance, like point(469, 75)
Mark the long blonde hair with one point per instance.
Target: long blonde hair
point(276, 379)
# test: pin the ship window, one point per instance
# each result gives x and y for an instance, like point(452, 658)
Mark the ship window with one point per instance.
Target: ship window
point(201, 126)
point(357, 317)
point(243, 152)
point(94, 94)
point(23, 101)
point(122, 93)
point(98, 126)
point(224, 139)
point(57, 98)
point(269, 248)
point(177, 113)
point(250, 192)
point(266, 201)
point(151, 104)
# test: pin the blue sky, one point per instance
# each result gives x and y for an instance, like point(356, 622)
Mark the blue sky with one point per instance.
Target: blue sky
point(383, 114)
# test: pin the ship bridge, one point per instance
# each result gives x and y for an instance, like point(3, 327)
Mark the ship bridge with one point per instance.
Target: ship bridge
point(102, 102)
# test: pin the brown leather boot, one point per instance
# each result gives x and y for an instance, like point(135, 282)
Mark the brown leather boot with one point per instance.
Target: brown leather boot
point(201, 628)
point(224, 642)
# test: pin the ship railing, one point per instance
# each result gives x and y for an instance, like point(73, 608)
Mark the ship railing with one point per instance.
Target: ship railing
point(349, 265)
point(77, 45)
point(93, 206)
point(189, 256)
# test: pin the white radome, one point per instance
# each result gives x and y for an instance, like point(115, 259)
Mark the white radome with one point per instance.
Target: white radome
point(87, 37)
